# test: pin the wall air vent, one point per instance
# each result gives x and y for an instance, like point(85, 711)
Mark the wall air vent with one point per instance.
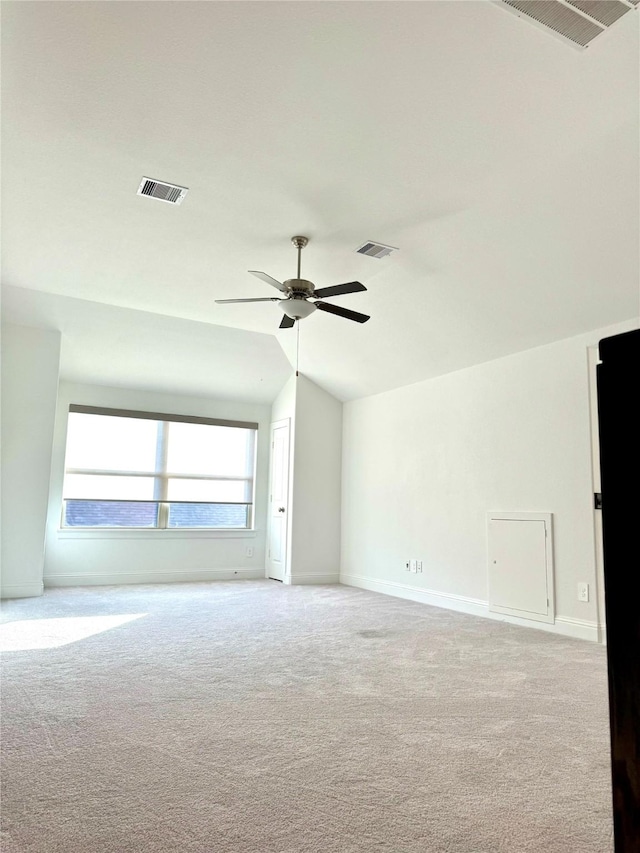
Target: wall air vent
point(375, 250)
point(171, 193)
point(576, 21)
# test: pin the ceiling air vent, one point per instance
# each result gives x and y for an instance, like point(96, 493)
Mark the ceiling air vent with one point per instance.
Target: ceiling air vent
point(375, 250)
point(560, 18)
point(171, 193)
point(605, 12)
point(576, 21)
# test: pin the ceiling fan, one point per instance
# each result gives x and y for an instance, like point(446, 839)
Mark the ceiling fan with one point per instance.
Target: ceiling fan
point(299, 293)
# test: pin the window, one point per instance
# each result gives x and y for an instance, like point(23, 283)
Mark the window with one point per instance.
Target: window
point(149, 470)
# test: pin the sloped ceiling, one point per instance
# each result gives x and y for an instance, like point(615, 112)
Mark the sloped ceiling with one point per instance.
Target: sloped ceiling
point(502, 163)
point(108, 345)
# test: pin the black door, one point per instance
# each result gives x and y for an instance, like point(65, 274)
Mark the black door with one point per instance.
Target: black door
point(619, 426)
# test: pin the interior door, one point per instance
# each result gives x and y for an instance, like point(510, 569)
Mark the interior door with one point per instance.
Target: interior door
point(594, 358)
point(278, 501)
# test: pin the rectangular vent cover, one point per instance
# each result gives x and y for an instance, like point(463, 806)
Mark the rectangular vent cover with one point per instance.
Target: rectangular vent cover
point(560, 18)
point(171, 193)
point(375, 250)
point(578, 21)
point(606, 12)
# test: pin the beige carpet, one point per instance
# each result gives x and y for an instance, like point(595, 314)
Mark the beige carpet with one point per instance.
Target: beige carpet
point(250, 717)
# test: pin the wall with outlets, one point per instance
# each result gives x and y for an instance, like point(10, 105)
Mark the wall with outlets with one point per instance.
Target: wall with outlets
point(423, 465)
point(30, 361)
point(403, 477)
point(79, 557)
point(315, 475)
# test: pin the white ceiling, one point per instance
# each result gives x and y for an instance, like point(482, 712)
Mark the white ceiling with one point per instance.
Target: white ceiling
point(502, 162)
point(107, 345)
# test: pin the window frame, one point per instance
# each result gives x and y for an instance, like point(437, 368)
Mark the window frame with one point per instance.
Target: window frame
point(162, 476)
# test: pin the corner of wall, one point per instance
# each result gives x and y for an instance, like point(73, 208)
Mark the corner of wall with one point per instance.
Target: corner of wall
point(30, 372)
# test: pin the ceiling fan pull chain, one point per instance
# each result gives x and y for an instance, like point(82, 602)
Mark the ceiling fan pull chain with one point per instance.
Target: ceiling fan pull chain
point(297, 342)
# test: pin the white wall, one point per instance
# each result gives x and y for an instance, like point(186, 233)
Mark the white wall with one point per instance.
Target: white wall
point(316, 500)
point(84, 557)
point(30, 361)
point(423, 464)
point(315, 471)
point(284, 406)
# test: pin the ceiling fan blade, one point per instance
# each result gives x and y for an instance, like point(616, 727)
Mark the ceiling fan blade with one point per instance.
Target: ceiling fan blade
point(337, 289)
point(269, 280)
point(262, 299)
point(342, 312)
point(287, 322)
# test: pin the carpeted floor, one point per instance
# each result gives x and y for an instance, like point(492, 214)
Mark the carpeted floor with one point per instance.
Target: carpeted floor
point(251, 717)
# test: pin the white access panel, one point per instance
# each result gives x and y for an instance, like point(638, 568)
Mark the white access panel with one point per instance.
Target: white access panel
point(521, 565)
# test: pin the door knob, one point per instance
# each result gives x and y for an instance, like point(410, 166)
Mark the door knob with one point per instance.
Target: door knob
point(280, 509)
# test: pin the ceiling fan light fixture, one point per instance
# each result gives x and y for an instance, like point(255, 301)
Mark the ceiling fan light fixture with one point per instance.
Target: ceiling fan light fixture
point(297, 308)
point(299, 292)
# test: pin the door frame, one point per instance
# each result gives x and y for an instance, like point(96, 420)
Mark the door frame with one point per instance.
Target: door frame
point(273, 426)
point(593, 359)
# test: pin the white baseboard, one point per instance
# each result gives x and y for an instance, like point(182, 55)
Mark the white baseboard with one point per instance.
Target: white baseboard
point(21, 590)
point(186, 576)
point(581, 629)
point(564, 625)
point(463, 604)
point(313, 578)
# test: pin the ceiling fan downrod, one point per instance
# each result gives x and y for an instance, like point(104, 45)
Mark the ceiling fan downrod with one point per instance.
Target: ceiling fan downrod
point(299, 243)
point(295, 306)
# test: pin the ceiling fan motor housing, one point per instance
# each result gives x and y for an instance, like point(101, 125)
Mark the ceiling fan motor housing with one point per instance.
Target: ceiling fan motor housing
point(300, 286)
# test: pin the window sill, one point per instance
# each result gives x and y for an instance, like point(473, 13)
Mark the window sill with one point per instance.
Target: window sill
point(129, 533)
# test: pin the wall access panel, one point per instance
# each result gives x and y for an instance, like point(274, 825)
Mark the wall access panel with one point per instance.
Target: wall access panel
point(521, 565)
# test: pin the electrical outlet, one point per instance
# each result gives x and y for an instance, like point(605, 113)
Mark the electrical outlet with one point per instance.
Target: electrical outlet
point(249, 551)
point(583, 592)
point(419, 566)
point(414, 566)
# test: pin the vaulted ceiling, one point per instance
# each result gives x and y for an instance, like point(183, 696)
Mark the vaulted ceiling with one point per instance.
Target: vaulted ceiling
point(502, 162)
